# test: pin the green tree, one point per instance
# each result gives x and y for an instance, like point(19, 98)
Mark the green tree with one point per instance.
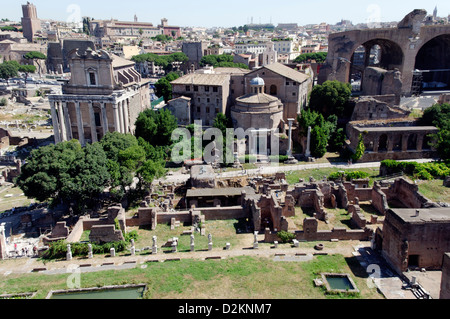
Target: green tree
point(319, 57)
point(66, 173)
point(439, 115)
point(27, 69)
point(331, 98)
point(319, 141)
point(360, 149)
point(156, 127)
point(7, 71)
point(37, 57)
point(163, 86)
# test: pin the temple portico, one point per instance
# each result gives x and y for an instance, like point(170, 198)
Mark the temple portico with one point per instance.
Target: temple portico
point(89, 118)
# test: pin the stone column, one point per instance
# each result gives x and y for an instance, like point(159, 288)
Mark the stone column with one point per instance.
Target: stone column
point(55, 122)
point(308, 144)
point(116, 118)
point(420, 139)
point(126, 104)
point(155, 246)
point(62, 122)
point(69, 253)
point(405, 138)
point(3, 253)
point(289, 152)
point(121, 126)
point(192, 243)
point(376, 144)
point(67, 121)
point(390, 144)
point(80, 124)
point(92, 122)
point(104, 119)
point(90, 254)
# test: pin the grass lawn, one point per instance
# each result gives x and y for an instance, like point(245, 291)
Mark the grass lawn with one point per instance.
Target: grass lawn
point(435, 191)
point(234, 278)
point(12, 197)
point(318, 174)
point(222, 231)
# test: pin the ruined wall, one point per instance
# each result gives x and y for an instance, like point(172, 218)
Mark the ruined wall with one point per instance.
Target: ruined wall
point(379, 199)
point(105, 234)
point(408, 193)
point(311, 233)
point(358, 218)
point(427, 240)
point(445, 281)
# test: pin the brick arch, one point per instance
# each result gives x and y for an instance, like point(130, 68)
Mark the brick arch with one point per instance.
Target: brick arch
point(434, 54)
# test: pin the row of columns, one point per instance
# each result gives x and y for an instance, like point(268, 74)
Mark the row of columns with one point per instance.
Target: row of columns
point(62, 125)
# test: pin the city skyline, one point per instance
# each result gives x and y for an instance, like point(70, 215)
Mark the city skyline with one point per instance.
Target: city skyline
point(202, 14)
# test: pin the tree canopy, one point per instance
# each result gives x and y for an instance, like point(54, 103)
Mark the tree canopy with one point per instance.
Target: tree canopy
point(325, 134)
point(77, 176)
point(331, 98)
point(319, 57)
point(156, 127)
point(163, 86)
point(65, 172)
point(439, 115)
point(223, 60)
point(8, 70)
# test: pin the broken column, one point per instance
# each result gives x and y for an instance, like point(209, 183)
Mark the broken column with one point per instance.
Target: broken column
point(308, 144)
point(133, 249)
point(210, 244)
point(174, 244)
point(69, 253)
point(192, 243)
point(291, 159)
point(90, 254)
point(255, 240)
point(154, 247)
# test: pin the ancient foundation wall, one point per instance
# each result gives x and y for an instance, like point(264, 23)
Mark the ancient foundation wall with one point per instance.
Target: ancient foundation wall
point(311, 233)
point(445, 281)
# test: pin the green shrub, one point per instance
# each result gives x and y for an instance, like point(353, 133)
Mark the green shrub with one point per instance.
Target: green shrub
point(348, 176)
point(425, 171)
point(3, 102)
point(58, 250)
point(336, 176)
point(357, 175)
point(131, 235)
point(285, 237)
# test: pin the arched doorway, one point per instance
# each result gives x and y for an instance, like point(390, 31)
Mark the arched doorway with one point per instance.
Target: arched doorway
point(433, 62)
point(412, 142)
point(382, 144)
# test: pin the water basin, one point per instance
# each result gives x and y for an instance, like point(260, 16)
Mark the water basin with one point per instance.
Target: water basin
point(109, 293)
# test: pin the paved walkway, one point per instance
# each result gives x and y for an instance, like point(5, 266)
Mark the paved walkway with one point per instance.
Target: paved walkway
point(383, 276)
point(178, 177)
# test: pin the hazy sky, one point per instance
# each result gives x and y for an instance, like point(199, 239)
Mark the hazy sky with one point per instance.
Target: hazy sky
point(227, 13)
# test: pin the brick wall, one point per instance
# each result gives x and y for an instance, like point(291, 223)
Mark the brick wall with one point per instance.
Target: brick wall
point(311, 233)
point(445, 281)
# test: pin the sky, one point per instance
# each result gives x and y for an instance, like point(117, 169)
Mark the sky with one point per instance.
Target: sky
point(226, 13)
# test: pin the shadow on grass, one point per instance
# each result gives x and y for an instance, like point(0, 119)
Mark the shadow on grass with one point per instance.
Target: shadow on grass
point(356, 267)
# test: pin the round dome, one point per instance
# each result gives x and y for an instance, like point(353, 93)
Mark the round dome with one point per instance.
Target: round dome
point(257, 81)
